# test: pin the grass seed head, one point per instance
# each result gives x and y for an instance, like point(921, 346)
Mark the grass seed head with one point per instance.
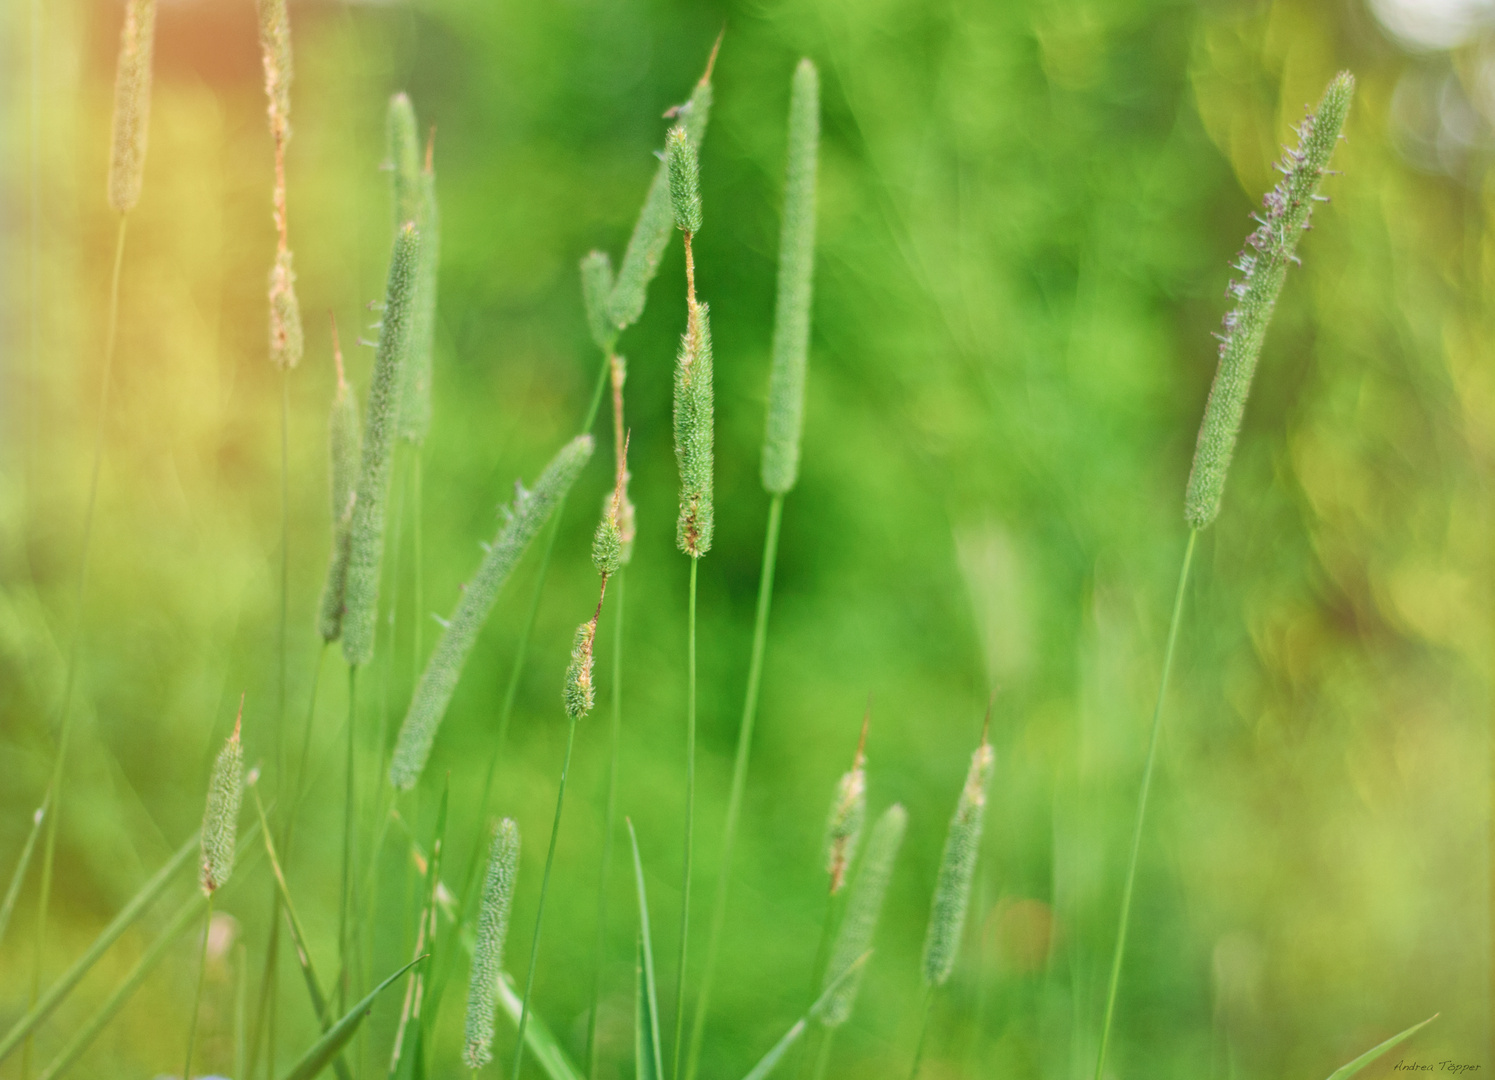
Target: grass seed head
point(596, 287)
point(220, 819)
point(530, 510)
point(286, 340)
point(952, 891)
point(275, 53)
point(863, 908)
point(791, 324)
point(627, 525)
point(1263, 268)
point(402, 144)
point(366, 543)
point(580, 694)
point(843, 826)
point(488, 951)
point(415, 397)
point(694, 434)
point(685, 179)
point(344, 442)
point(132, 104)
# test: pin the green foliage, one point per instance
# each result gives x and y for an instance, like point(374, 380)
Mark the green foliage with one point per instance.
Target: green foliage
point(1344, 1072)
point(648, 1055)
point(132, 104)
point(322, 1052)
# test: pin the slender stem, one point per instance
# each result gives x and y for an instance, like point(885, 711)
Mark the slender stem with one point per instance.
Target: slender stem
point(817, 970)
point(534, 949)
point(241, 1002)
point(345, 899)
point(285, 563)
point(823, 1058)
point(53, 797)
point(311, 714)
point(419, 612)
point(913, 1073)
point(690, 815)
point(607, 828)
point(202, 970)
point(1147, 770)
point(739, 780)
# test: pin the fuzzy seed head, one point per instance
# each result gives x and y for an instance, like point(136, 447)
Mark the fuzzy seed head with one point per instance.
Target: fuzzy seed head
point(619, 503)
point(695, 434)
point(403, 148)
point(286, 339)
point(488, 952)
point(415, 397)
point(607, 542)
point(863, 908)
point(952, 891)
point(596, 288)
point(220, 819)
point(843, 826)
point(580, 694)
point(1273, 246)
point(132, 104)
point(275, 52)
point(344, 442)
point(685, 179)
point(529, 512)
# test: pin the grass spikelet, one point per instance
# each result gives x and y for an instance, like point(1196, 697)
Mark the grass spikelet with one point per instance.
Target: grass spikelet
point(488, 953)
point(627, 525)
point(403, 147)
point(275, 53)
point(685, 179)
point(132, 104)
point(344, 440)
point(220, 819)
point(580, 693)
point(415, 399)
point(366, 542)
point(531, 509)
point(1263, 268)
point(596, 287)
point(863, 909)
point(843, 826)
point(952, 891)
point(791, 325)
point(286, 338)
point(651, 232)
point(694, 435)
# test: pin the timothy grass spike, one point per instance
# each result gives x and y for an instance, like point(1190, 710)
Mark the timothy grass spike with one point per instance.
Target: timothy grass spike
point(952, 892)
point(132, 104)
point(843, 826)
point(415, 399)
point(694, 433)
point(863, 909)
point(286, 338)
point(403, 147)
point(366, 542)
point(488, 953)
point(624, 513)
point(344, 441)
point(580, 693)
point(220, 819)
point(685, 179)
point(791, 324)
point(531, 509)
point(1263, 268)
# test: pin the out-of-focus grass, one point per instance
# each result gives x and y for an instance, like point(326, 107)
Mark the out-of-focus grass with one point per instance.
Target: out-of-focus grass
point(1027, 212)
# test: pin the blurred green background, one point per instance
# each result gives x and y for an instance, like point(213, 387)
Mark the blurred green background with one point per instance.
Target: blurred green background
point(1027, 211)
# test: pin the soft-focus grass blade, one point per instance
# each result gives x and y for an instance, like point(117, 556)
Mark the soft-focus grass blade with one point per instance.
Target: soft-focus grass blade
point(776, 1054)
point(646, 1039)
point(425, 945)
point(322, 1052)
point(539, 1040)
point(131, 911)
point(1344, 1072)
point(21, 865)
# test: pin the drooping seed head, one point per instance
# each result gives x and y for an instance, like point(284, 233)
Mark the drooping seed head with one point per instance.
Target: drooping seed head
point(286, 341)
point(344, 443)
point(863, 908)
point(580, 694)
point(403, 148)
point(132, 104)
point(952, 891)
point(695, 434)
point(1263, 268)
point(488, 951)
point(530, 511)
point(220, 819)
point(275, 54)
point(843, 826)
point(791, 323)
point(596, 288)
point(685, 179)
point(366, 542)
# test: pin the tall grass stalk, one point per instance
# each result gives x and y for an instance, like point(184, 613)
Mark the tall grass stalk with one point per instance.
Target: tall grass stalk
point(202, 970)
point(22, 864)
point(780, 468)
point(1286, 214)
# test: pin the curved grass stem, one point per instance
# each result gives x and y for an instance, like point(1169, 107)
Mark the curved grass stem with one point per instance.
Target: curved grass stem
point(1147, 770)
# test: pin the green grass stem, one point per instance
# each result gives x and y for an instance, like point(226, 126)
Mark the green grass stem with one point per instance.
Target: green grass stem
point(22, 863)
point(345, 899)
point(1124, 917)
point(690, 815)
point(202, 970)
point(924, 1011)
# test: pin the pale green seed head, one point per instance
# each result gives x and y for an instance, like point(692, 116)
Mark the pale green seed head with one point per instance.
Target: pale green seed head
point(695, 434)
point(402, 142)
point(952, 891)
point(132, 104)
point(863, 908)
point(275, 53)
point(1263, 268)
point(596, 288)
point(286, 340)
point(685, 179)
point(791, 323)
point(843, 826)
point(415, 397)
point(607, 543)
point(344, 443)
point(220, 819)
point(580, 694)
point(488, 950)
point(366, 543)
point(530, 511)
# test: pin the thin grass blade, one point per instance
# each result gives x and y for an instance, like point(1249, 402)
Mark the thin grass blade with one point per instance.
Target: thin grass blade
point(539, 1040)
point(776, 1054)
point(1344, 1072)
point(21, 864)
point(325, 1049)
point(646, 1040)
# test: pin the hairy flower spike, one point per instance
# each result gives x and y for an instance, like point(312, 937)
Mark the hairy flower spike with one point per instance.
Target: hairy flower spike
point(415, 397)
point(488, 952)
point(366, 545)
point(132, 104)
point(580, 694)
point(596, 287)
point(344, 442)
point(627, 527)
point(286, 341)
point(843, 826)
point(403, 147)
point(791, 323)
point(433, 693)
point(220, 819)
point(275, 53)
point(952, 892)
point(685, 179)
point(1288, 207)
point(694, 433)
point(862, 912)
